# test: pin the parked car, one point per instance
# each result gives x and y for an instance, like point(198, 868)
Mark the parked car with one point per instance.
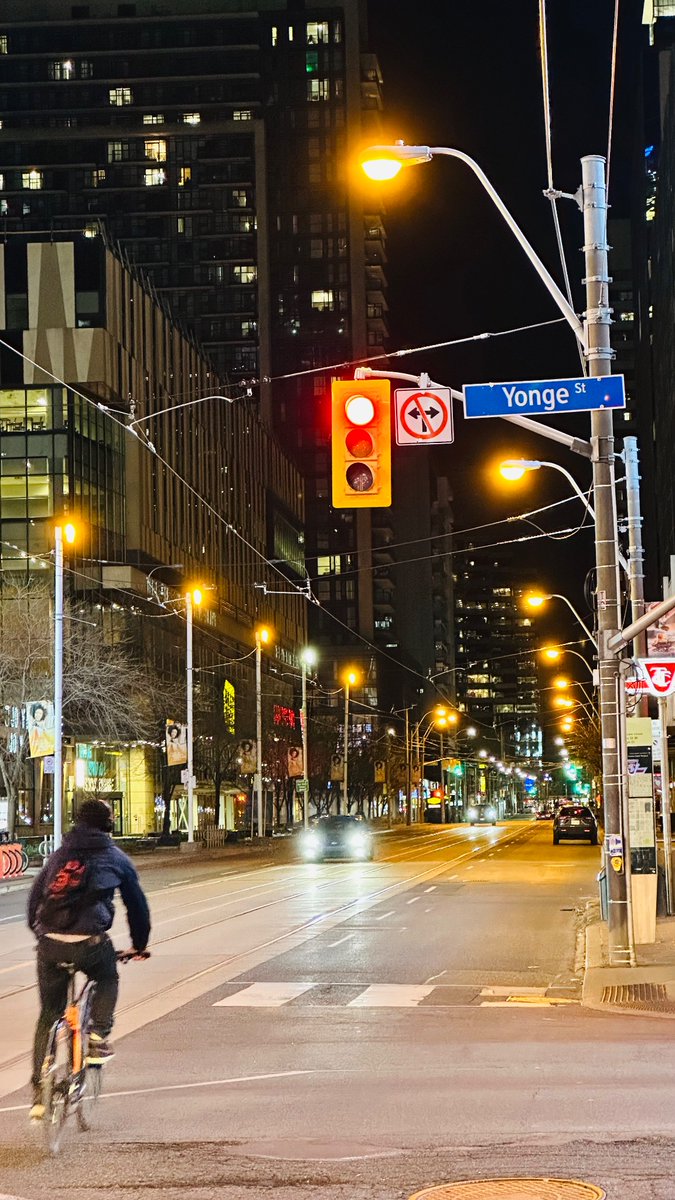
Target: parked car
point(482, 814)
point(543, 814)
point(575, 821)
point(338, 837)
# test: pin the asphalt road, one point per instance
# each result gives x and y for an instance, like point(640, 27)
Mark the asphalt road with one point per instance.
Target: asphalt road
point(356, 1030)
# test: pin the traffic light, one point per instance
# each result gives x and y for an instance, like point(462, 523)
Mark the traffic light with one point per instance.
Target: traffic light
point(361, 443)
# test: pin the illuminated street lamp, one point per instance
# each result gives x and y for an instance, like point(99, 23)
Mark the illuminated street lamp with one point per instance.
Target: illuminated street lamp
point(308, 658)
point(537, 600)
point(193, 599)
point(263, 637)
point(513, 469)
point(351, 678)
point(67, 533)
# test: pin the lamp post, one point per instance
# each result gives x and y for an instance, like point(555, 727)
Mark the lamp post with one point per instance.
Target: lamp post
point(350, 679)
point(262, 637)
point(68, 532)
point(536, 600)
point(384, 162)
point(307, 659)
point(193, 599)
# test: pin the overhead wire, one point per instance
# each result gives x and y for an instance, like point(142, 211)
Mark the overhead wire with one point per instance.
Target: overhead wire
point(612, 91)
point(550, 192)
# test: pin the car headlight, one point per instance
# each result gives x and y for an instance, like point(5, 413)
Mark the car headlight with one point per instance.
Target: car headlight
point(311, 845)
point(358, 843)
point(491, 813)
point(472, 813)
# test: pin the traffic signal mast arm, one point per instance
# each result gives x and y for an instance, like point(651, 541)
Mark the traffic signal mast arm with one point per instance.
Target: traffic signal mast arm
point(576, 445)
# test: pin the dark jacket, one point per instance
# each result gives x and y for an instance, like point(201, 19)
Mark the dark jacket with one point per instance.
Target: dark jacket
point(112, 870)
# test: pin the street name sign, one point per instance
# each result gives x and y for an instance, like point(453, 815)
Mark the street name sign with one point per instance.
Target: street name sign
point(422, 418)
point(541, 397)
point(659, 674)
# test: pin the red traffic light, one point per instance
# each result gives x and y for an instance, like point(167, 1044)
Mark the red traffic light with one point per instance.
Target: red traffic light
point(361, 443)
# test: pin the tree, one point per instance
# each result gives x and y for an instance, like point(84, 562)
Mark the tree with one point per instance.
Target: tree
point(107, 694)
point(584, 746)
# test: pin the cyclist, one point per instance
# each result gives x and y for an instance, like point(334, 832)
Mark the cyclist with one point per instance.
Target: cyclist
point(70, 910)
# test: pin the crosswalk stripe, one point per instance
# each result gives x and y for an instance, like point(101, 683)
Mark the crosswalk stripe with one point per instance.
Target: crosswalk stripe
point(428, 996)
point(264, 995)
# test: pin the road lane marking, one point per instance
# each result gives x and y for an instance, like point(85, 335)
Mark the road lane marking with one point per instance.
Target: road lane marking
point(432, 888)
point(177, 1087)
point(346, 938)
point(413, 900)
point(264, 995)
point(439, 976)
point(391, 995)
point(387, 914)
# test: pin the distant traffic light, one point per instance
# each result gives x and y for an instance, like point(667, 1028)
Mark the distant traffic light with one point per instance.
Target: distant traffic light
point(361, 443)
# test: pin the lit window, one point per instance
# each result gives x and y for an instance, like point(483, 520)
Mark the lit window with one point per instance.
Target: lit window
point(318, 89)
point(312, 62)
point(91, 229)
point(95, 178)
point(120, 96)
point(242, 114)
point(317, 31)
point(275, 36)
point(627, 316)
point(290, 33)
point(244, 274)
point(118, 151)
point(239, 197)
point(154, 176)
point(4, 48)
point(322, 300)
point(61, 69)
point(191, 118)
point(153, 118)
point(2, 183)
point(184, 176)
point(156, 150)
point(249, 328)
point(32, 180)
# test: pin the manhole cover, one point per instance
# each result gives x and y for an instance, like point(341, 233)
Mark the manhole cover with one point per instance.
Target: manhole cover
point(512, 1189)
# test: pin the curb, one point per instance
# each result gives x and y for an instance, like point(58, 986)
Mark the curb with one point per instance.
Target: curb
point(598, 976)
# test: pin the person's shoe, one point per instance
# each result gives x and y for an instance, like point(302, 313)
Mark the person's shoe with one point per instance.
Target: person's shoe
point(100, 1051)
point(37, 1111)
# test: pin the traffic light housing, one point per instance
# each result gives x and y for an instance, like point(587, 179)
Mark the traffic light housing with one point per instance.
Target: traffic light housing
point(361, 443)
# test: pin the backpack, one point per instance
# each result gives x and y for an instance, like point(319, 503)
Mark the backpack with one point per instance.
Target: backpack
point(67, 895)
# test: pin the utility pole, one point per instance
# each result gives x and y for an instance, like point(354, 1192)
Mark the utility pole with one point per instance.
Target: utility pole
point(599, 356)
point(408, 770)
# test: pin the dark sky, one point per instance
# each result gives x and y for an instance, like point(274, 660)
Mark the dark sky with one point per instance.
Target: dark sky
point(469, 76)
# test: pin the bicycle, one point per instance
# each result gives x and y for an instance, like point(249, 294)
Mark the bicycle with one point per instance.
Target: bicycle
point(68, 1083)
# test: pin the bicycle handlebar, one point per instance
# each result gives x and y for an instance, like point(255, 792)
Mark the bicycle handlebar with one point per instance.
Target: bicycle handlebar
point(125, 956)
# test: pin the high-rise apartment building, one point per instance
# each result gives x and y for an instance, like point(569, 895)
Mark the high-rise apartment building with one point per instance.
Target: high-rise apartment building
point(214, 142)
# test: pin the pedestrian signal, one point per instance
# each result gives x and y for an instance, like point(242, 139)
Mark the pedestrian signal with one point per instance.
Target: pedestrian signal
point(361, 443)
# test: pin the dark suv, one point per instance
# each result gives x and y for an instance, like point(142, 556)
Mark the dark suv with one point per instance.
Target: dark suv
point(575, 821)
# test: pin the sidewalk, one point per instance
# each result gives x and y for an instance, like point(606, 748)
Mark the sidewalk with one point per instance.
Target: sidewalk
point(648, 988)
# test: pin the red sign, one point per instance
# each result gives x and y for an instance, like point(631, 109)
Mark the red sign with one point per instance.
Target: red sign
point(659, 674)
point(423, 416)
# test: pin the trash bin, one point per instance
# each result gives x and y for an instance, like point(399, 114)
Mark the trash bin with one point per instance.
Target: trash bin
point(661, 908)
point(604, 894)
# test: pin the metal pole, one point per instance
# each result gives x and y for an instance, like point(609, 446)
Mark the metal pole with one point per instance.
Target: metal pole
point(345, 792)
point(665, 802)
point(258, 734)
point(636, 578)
point(442, 778)
point(599, 355)
point(190, 722)
point(305, 760)
point(58, 686)
point(408, 770)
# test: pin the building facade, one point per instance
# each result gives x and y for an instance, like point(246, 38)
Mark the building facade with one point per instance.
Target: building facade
point(202, 493)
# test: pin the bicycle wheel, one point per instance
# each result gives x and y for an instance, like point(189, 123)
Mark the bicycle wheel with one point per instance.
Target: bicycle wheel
point(91, 1090)
point(56, 1081)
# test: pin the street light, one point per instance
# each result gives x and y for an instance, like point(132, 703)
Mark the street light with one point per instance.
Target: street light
point(537, 600)
point(68, 533)
point(193, 599)
point(350, 679)
point(262, 638)
point(594, 337)
point(513, 469)
point(308, 658)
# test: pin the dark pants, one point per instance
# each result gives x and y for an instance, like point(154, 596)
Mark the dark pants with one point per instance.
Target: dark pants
point(96, 960)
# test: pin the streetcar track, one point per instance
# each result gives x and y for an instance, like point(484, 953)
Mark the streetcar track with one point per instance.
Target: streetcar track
point(435, 867)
